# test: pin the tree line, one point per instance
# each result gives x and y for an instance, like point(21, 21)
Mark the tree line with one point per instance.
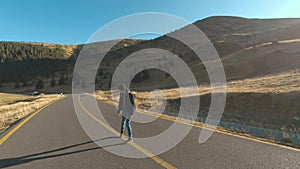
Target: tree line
point(39, 84)
point(18, 51)
point(28, 69)
point(24, 61)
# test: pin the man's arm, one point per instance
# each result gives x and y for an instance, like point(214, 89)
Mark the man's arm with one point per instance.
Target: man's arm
point(121, 104)
point(132, 100)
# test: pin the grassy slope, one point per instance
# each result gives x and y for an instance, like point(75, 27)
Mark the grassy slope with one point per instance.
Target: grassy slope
point(268, 102)
point(26, 61)
point(6, 98)
point(14, 107)
point(231, 37)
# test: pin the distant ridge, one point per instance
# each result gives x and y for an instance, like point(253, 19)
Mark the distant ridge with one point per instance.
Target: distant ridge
point(230, 35)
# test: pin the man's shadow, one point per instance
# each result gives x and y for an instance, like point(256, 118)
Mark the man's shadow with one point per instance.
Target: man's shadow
point(8, 162)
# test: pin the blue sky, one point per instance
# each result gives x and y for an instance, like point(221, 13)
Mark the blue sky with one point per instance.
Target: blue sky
point(74, 21)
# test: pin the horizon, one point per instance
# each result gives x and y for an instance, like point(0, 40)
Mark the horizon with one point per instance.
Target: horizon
point(73, 22)
point(139, 37)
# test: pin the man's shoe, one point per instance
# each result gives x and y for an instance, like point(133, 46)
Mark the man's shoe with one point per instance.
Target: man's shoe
point(129, 139)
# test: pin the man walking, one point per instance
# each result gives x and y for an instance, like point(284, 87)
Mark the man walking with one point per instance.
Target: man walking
point(126, 108)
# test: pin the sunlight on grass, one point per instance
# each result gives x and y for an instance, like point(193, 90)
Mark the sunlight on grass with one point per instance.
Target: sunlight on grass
point(14, 107)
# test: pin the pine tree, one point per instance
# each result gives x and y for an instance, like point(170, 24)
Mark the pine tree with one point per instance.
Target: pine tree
point(100, 72)
point(62, 79)
point(39, 84)
point(53, 82)
point(24, 84)
point(17, 85)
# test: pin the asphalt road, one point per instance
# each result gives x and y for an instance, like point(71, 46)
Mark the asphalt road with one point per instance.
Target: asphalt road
point(54, 138)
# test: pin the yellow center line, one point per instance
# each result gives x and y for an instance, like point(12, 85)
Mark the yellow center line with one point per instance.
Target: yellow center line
point(155, 158)
point(12, 131)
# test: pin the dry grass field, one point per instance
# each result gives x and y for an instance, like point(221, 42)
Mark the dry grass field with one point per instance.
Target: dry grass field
point(285, 82)
point(268, 102)
point(14, 107)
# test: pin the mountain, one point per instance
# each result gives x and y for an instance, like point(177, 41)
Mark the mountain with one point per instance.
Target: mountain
point(247, 47)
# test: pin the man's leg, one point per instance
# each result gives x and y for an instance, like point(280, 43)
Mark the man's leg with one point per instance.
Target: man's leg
point(122, 126)
point(128, 125)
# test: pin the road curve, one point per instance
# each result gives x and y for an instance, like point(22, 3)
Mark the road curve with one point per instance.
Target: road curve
point(54, 138)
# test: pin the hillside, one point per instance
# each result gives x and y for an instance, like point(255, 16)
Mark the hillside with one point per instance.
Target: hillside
point(247, 47)
point(25, 61)
point(21, 51)
point(262, 106)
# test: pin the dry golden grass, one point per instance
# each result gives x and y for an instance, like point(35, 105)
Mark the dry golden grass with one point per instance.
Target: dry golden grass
point(280, 83)
point(268, 102)
point(285, 82)
point(67, 48)
point(14, 107)
point(6, 98)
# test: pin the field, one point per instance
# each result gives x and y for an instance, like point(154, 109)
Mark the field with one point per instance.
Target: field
point(262, 105)
point(14, 107)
